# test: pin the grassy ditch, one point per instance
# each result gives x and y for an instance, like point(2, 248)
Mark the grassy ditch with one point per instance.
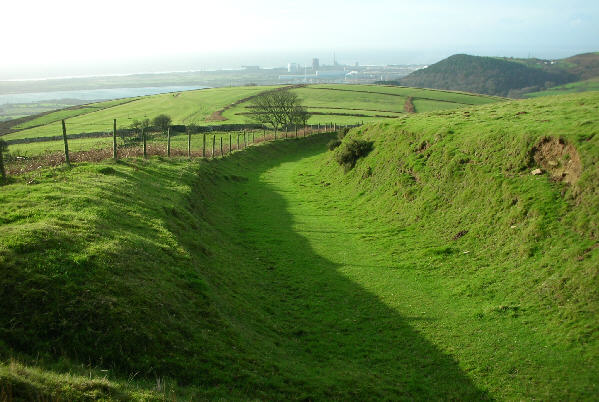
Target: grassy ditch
point(435, 267)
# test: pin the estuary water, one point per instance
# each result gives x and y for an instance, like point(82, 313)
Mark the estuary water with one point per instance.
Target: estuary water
point(93, 94)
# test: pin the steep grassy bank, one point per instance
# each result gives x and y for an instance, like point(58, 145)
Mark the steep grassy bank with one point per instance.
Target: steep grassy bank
point(438, 267)
point(513, 255)
point(191, 275)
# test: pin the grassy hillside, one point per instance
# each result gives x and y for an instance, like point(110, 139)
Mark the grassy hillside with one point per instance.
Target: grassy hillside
point(339, 104)
point(584, 66)
point(184, 108)
point(573, 87)
point(353, 103)
point(485, 75)
point(438, 267)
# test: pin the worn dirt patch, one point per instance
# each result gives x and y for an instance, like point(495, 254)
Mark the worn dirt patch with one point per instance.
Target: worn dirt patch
point(559, 159)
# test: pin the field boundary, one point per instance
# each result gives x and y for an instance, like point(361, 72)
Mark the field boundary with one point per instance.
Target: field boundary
point(218, 115)
point(10, 130)
point(210, 148)
point(413, 97)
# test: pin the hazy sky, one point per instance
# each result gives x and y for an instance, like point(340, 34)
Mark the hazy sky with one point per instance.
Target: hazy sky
point(41, 37)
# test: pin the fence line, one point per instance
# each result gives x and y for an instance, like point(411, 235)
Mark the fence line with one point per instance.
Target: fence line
point(135, 149)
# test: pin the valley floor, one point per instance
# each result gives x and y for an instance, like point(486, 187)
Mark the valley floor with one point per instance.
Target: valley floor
point(320, 297)
point(360, 314)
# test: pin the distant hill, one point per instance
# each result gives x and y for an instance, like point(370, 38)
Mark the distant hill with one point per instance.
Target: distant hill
point(503, 76)
point(584, 66)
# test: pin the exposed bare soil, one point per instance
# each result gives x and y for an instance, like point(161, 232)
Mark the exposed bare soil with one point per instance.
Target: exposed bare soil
point(559, 159)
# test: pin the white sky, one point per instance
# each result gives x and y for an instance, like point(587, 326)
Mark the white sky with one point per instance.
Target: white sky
point(49, 33)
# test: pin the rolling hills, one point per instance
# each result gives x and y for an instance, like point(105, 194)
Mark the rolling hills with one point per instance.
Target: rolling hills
point(337, 104)
point(438, 267)
point(510, 77)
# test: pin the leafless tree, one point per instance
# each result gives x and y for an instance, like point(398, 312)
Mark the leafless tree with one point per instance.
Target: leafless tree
point(278, 108)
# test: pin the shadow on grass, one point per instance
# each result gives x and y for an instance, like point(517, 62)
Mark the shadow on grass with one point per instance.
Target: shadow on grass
point(317, 334)
point(202, 278)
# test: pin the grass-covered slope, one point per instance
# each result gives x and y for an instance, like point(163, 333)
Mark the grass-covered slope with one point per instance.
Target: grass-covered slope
point(573, 87)
point(350, 104)
point(484, 75)
point(438, 267)
point(509, 246)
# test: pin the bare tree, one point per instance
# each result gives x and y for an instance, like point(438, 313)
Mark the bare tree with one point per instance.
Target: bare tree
point(300, 116)
point(278, 108)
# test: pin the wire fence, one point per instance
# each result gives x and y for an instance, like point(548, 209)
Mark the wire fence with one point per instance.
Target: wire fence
point(177, 141)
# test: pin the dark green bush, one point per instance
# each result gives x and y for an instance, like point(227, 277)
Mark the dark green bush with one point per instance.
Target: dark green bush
point(333, 144)
point(343, 132)
point(352, 151)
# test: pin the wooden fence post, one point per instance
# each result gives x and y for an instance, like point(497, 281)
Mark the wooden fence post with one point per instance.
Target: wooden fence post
point(286, 131)
point(245, 142)
point(143, 136)
point(230, 143)
point(295, 131)
point(253, 138)
point(114, 155)
point(275, 133)
point(168, 142)
point(204, 146)
point(238, 141)
point(221, 146)
point(66, 145)
point(213, 144)
point(3, 148)
point(264, 134)
point(188, 143)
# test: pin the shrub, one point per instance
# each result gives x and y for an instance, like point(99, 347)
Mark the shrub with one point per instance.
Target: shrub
point(352, 151)
point(333, 144)
point(343, 132)
point(162, 121)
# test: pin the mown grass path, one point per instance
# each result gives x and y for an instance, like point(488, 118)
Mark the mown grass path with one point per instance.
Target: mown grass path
point(360, 309)
point(340, 338)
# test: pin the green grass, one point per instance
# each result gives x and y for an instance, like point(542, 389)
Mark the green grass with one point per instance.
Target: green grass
point(81, 144)
point(273, 274)
point(431, 94)
point(574, 87)
point(69, 113)
point(195, 106)
point(184, 108)
point(425, 105)
point(178, 141)
point(437, 268)
point(370, 100)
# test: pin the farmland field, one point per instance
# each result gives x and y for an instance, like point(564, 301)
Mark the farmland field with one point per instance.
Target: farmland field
point(329, 104)
point(579, 86)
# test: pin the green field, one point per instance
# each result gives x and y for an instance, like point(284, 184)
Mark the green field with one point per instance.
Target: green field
point(178, 141)
point(195, 106)
point(438, 267)
point(574, 87)
point(184, 108)
point(440, 95)
point(18, 110)
point(330, 104)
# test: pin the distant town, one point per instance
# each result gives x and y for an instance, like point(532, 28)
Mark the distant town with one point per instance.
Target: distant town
point(337, 73)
